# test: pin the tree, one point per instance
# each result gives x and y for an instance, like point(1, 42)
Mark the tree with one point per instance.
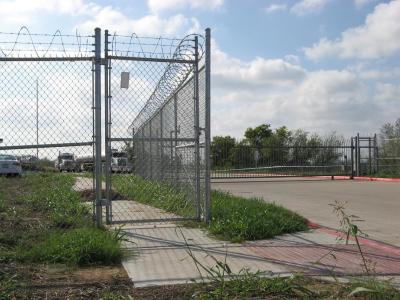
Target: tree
point(221, 151)
point(274, 148)
point(390, 139)
point(243, 155)
point(256, 135)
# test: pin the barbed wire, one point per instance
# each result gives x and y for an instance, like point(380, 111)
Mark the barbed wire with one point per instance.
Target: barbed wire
point(174, 76)
point(44, 45)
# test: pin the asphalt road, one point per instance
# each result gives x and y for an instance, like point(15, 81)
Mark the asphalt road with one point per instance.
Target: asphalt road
point(378, 203)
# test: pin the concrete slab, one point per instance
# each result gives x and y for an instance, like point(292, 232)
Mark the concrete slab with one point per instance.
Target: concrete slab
point(166, 253)
point(126, 210)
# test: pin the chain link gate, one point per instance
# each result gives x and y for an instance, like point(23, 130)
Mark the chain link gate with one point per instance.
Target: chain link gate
point(155, 122)
point(47, 111)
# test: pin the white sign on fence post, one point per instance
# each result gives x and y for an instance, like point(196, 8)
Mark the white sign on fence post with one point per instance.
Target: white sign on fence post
point(124, 80)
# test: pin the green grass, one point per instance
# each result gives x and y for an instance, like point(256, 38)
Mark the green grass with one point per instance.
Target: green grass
point(233, 218)
point(80, 246)
point(53, 195)
point(237, 218)
point(372, 288)
point(386, 174)
point(47, 222)
point(155, 194)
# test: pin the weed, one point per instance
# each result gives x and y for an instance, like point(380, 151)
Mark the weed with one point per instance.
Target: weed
point(115, 296)
point(349, 226)
point(373, 288)
point(369, 286)
point(8, 284)
point(222, 283)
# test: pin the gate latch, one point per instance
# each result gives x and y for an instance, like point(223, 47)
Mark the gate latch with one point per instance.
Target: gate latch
point(105, 202)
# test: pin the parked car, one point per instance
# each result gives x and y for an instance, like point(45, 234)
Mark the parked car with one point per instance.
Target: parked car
point(9, 165)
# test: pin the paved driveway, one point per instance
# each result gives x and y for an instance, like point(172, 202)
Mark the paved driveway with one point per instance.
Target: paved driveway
point(378, 203)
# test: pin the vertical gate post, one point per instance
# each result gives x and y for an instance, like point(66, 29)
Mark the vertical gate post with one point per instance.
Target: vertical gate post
point(161, 146)
point(375, 154)
point(97, 103)
point(207, 157)
point(197, 127)
point(143, 167)
point(369, 155)
point(151, 149)
point(107, 117)
point(358, 155)
point(175, 154)
point(352, 157)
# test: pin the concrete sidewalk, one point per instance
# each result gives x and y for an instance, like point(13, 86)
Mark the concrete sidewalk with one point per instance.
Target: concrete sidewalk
point(162, 254)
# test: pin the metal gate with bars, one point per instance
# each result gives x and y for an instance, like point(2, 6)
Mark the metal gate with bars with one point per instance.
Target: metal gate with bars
point(151, 104)
point(357, 156)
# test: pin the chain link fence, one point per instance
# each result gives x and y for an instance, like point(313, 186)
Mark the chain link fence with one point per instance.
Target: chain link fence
point(152, 165)
point(47, 124)
point(153, 129)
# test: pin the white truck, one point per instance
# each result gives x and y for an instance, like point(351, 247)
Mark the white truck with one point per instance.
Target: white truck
point(120, 162)
point(66, 162)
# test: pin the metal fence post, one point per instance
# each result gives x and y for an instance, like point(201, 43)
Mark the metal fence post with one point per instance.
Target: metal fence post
point(175, 155)
point(151, 149)
point(197, 126)
point(352, 157)
point(369, 155)
point(358, 163)
point(207, 158)
point(376, 161)
point(107, 114)
point(161, 146)
point(143, 167)
point(97, 103)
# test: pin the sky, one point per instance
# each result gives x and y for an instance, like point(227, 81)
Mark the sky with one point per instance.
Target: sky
point(319, 65)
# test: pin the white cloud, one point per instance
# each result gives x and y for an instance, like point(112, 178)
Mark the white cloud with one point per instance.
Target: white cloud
point(275, 8)
point(305, 7)
point(378, 37)
point(281, 92)
point(25, 12)
point(19, 12)
point(157, 6)
point(114, 20)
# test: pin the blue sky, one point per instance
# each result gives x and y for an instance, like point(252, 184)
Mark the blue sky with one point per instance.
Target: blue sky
point(320, 65)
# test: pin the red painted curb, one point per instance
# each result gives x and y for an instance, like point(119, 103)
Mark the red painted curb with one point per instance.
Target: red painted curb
point(361, 178)
point(378, 179)
point(364, 241)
